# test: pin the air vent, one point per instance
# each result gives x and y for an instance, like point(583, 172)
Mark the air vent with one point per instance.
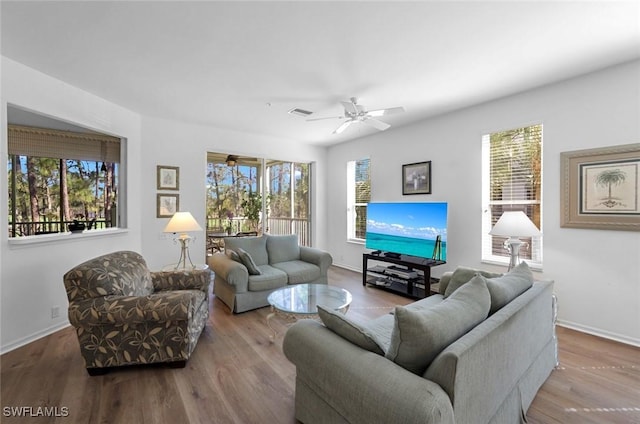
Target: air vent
point(300, 112)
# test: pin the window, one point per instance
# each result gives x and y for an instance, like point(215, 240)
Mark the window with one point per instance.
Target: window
point(512, 181)
point(235, 196)
point(288, 199)
point(234, 199)
point(358, 195)
point(58, 177)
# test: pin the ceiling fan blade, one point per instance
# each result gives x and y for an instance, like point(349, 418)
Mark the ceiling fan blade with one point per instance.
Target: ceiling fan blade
point(379, 125)
point(326, 117)
point(381, 112)
point(350, 107)
point(342, 127)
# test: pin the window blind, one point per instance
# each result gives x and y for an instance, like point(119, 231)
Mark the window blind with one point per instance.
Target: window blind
point(49, 143)
point(362, 196)
point(363, 181)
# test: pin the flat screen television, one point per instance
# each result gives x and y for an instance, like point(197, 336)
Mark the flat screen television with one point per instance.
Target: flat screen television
point(407, 228)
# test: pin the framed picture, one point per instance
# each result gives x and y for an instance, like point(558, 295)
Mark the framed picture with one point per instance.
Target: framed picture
point(416, 178)
point(601, 188)
point(168, 177)
point(167, 205)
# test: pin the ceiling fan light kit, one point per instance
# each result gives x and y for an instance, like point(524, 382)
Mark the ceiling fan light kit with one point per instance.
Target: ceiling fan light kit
point(354, 112)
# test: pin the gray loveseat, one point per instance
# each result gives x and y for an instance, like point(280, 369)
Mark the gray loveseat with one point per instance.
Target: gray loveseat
point(404, 368)
point(252, 267)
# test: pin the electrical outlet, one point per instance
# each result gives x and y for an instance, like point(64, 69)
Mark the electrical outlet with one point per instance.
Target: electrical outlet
point(55, 312)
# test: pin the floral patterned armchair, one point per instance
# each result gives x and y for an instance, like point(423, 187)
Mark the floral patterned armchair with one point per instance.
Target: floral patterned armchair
point(124, 314)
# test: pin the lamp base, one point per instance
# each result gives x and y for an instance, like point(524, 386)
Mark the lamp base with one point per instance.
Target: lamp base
point(513, 245)
point(184, 253)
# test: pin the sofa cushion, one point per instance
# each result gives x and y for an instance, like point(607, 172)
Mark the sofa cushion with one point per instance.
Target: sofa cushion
point(505, 288)
point(299, 271)
point(247, 261)
point(255, 246)
point(462, 275)
point(380, 330)
point(270, 278)
point(348, 329)
point(419, 336)
point(283, 248)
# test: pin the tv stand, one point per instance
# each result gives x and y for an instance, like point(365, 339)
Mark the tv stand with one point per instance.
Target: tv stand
point(401, 277)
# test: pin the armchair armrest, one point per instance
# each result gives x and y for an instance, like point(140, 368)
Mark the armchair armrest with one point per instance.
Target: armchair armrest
point(317, 257)
point(234, 273)
point(197, 279)
point(159, 307)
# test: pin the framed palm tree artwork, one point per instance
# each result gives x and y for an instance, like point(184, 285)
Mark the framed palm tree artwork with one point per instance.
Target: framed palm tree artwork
point(601, 188)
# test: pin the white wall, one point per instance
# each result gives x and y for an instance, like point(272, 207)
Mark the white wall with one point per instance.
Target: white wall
point(596, 273)
point(174, 143)
point(31, 274)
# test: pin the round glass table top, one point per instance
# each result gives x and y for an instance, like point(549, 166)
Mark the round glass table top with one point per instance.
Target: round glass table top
point(303, 299)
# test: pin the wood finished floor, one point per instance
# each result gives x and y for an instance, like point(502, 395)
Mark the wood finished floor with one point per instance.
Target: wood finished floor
point(236, 375)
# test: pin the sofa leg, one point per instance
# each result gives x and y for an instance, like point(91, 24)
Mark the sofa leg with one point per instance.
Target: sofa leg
point(178, 364)
point(97, 371)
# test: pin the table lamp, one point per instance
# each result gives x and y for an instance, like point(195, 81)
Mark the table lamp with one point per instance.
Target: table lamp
point(182, 223)
point(514, 224)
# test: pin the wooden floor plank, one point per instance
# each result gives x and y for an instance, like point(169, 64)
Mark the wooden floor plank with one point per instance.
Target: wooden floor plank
point(237, 374)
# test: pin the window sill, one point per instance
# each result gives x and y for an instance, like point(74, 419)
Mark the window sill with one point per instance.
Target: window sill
point(537, 267)
point(355, 241)
point(58, 237)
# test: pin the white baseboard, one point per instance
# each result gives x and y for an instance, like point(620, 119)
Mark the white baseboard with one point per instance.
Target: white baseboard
point(350, 268)
point(33, 337)
point(599, 333)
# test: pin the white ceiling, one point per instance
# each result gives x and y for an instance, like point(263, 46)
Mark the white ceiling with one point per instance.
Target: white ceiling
point(243, 65)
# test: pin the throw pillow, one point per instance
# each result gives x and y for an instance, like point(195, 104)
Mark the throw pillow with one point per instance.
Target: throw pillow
point(419, 336)
point(247, 261)
point(349, 330)
point(509, 286)
point(462, 275)
point(233, 255)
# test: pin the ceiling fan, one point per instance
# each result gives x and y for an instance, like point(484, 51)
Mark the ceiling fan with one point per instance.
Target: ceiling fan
point(354, 112)
point(233, 160)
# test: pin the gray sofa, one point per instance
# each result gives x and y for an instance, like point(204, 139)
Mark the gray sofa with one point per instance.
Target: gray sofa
point(252, 267)
point(487, 372)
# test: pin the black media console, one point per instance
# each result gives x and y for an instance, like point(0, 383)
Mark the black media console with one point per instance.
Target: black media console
point(409, 275)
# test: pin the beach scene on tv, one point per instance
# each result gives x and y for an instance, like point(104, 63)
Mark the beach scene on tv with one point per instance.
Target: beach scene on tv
point(407, 228)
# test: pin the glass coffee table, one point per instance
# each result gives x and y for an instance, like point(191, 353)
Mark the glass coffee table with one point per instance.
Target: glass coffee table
point(301, 301)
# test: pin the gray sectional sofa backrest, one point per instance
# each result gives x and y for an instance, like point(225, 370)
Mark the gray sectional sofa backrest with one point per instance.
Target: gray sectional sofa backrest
point(489, 375)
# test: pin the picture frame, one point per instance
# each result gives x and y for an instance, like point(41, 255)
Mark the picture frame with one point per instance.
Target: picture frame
point(600, 188)
point(168, 177)
point(416, 178)
point(167, 205)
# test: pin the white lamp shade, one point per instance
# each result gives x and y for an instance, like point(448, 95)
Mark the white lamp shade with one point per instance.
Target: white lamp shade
point(182, 222)
point(514, 224)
